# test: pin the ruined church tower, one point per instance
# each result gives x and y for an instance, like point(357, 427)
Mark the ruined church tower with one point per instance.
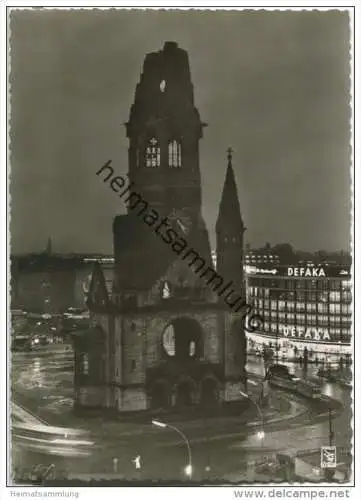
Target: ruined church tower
point(162, 338)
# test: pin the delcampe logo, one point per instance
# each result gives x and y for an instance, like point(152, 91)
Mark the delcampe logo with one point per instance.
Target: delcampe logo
point(328, 457)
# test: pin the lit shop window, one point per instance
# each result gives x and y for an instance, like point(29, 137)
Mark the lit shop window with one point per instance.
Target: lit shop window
point(300, 318)
point(347, 296)
point(281, 316)
point(266, 314)
point(266, 326)
point(335, 285)
point(323, 297)
point(290, 306)
point(311, 318)
point(260, 303)
point(273, 327)
point(346, 285)
point(281, 305)
point(335, 308)
point(300, 306)
point(290, 316)
point(266, 293)
point(323, 320)
point(273, 315)
point(273, 305)
point(311, 307)
point(322, 308)
point(346, 309)
point(345, 320)
point(335, 296)
point(312, 285)
point(334, 319)
point(152, 157)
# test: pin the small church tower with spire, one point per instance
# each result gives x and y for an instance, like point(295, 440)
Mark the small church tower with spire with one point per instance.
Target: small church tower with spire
point(229, 232)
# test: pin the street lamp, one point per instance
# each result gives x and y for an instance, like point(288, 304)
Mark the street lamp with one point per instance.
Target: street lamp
point(260, 434)
point(188, 470)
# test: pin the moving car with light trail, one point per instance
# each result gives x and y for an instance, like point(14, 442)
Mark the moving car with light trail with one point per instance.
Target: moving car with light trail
point(52, 440)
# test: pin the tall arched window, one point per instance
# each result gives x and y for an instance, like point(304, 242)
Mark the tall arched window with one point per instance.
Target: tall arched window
point(165, 291)
point(152, 157)
point(174, 154)
point(85, 364)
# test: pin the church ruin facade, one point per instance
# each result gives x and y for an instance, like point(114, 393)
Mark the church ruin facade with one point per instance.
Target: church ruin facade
point(162, 335)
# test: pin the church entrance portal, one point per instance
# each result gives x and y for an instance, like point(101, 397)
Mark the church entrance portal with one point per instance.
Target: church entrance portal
point(159, 396)
point(209, 392)
point(184, 394)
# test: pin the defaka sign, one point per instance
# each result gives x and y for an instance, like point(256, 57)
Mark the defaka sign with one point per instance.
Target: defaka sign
point(307, 272)
point(310, 333)
point(313, 272)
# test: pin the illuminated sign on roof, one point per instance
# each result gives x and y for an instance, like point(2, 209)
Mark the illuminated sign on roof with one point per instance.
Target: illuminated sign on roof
point(315, 272)
point(300, 272)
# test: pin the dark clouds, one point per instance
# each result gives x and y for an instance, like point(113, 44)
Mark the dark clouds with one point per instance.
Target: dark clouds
point(274, 85)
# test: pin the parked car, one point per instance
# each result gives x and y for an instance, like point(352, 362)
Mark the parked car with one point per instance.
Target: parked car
point(343, 377)
point(21, 343)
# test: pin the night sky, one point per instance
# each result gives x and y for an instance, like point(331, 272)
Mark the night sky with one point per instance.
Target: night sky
point(273, 85)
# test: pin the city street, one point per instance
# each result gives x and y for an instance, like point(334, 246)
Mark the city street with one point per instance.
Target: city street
point(42, 384)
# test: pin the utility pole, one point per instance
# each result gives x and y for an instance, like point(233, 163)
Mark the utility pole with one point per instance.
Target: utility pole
point(330, 471)
point(331, 434)
point(277, 347)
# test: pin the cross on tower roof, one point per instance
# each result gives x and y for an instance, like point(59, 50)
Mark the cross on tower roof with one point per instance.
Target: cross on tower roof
point(229, 151)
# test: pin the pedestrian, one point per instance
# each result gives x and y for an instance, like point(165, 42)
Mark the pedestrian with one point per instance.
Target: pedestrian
point(137, 462)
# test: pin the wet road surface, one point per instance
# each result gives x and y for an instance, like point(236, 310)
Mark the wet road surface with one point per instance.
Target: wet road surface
point(46, 377)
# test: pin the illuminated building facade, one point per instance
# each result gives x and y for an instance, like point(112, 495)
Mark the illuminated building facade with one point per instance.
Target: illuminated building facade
point(303, 307)
point(257, 257)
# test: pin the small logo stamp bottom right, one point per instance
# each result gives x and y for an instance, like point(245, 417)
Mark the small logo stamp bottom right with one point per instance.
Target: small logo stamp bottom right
point(328, 457)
